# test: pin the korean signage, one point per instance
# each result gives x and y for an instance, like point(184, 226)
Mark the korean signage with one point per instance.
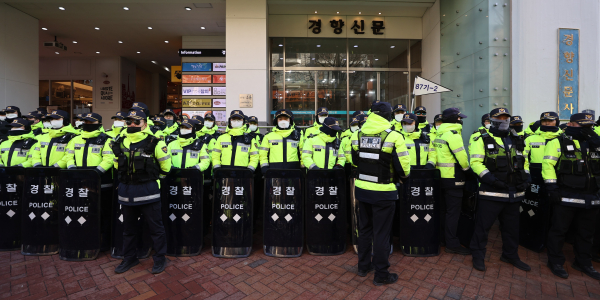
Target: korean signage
point(568, 72)
point(219, 78)
point(346, 26)
point(219, 66)
point(219, 102)
point(246, 100)
point(196, 91)
point(196, 102)
point(202, 52)
point(196, 79)
point(196, 67)
point(219, 91)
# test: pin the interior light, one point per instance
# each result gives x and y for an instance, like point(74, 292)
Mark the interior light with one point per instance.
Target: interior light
point(379, 13)
point(126, 8)
point(166, 68)
point(280, 45)
point(188, 8)
point(355, 46)
point(97, 52)
point(44, 28)
point(318, 46)
point(61, 8)
point(359, 12)
point(97, 28)
point(56, 52)
point(154, 62)
point(74, 42)
point(166, 42)
point(315, 11)
point(149, 27)
point(377, 59)
point(392, 47)
point(120, 42)
point(138, 52)
point(338, 12)
point(202, 27)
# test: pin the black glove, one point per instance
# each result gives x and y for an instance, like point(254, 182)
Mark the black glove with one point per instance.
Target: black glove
point(488, 178)
point(500, 185)
point(470, 175)
point(315, 168)
point(338, 167)
point(522, 186)
point(555, 197)
point(429, 166)
point(263, 170)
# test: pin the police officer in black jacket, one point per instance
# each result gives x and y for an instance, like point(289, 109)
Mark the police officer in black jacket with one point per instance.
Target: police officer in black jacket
point(571, 171)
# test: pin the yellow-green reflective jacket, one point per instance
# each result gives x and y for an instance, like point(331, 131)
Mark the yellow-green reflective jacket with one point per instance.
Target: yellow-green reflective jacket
point(418, 150)
point(450, 155)
point(535, 146)
point(235, 149)
point(90, 149)
point(17, 150)
point(52, 147)
point(322, 151)
point(281, 149)
point(189, 153)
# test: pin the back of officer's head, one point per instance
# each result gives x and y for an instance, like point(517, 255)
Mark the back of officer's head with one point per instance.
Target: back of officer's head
point(382, 109)
point(200, 124)
point(452, 115)
point(331, 126)
point(141, 106)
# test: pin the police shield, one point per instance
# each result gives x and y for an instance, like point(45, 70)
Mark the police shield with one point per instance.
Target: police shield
point(11, 191)
point(354, 215)
point(466, 220)
point(420, 214)
point(39, 221)
point(144, 240)
point(106, 199)
point(325, 212)
point(283, 220)
point(534, 214)
point(79, 215)
point(232, 212)
point(182, 211)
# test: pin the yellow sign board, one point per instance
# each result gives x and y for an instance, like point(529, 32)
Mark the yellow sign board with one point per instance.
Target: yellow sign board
point(196, 102)
point(175, 73)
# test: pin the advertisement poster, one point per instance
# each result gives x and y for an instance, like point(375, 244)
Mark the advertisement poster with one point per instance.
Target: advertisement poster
point(219, 66)
point(196, 91)
point(175, 73)
point(196, 102)
point(218, 78)
point(219, 103)
point(219, 90)
point(196, 79)
point(196, 67)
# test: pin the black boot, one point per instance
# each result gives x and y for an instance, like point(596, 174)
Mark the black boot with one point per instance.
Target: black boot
point(363, 273)
point(458, 250)
point(391, 278)
point(478, 264)
point(587, 270)
point(126, 265)
point(519, 264)
point(159, 266)
point(558, 270)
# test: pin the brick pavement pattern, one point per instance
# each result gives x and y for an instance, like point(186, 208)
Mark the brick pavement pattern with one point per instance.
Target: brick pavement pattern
point(316, 277)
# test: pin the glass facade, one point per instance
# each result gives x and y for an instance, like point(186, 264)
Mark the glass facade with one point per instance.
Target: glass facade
point(343, 75)
point(72, 96)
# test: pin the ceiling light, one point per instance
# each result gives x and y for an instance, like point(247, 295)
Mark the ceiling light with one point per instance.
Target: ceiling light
point(138, 52)
point(149, 27)
point(56, 52)
point(188, 8)
point(377, 59)
point(355, 46)
point(126, 8)
point(318, 46)
point(315, 11)
point(154, 62)
point(61, 8)
point(97, 28)
point(379, 13)
point(166, 68)
point(203, 27)
point(338, 12)
point(166, 42)
point(97, 52)
point(280, 45)
point(120, 42)
point(74, 42)
point(44, 28)
point(392, 47)
point(359, 12)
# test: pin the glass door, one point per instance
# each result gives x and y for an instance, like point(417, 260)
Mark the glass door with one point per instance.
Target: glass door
point(331, 93)
point(300, 96)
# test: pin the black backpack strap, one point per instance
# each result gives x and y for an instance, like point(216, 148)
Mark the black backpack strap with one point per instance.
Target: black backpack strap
point(28, 143)
point(66, 138)
point(197, 146)
point(149, 149)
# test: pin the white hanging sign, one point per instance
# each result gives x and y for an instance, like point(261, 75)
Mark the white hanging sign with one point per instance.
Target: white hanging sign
point(424, 87)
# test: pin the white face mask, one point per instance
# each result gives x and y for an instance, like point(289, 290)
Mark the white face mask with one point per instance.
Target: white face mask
point(47, 125)
point(209, 124)
point(399, 117)
point(119, 123)
point(283, 124)
point(78, 123)
point(56, 124)
point(237, 124)
point(408, 128)
point(185, 131)
point(253, 127)
point(12, 116)
point(354, 128)
point(322, 119)
point(2, 118)
point(487, 126)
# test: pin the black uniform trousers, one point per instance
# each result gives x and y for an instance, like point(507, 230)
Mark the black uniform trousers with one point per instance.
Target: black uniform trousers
point(487, 213)
point(585, 225)
point(153, 217)
point(453, 199)
point(375, 226)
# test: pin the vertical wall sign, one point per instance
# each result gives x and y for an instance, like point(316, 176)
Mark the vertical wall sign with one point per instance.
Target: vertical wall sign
point(568, 72)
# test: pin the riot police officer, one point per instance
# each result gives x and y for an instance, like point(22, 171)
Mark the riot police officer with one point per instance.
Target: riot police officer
point(532, 128)
point(52, 146)
point(234, 149)
point(416, 141)
point(346, 145)
point(485, 126)
point(210, 127)
point(320, 116)
point(421, 113)
point(323, 151)
point(118, 125)
point(188, 151)
point(91, 149)
point(399, 112)
point(571, 168)
point(141, 159)
point(451, 159)
point(348, 132)
point(77, 122)
point(253, 130)
point(437, 121)
point(504, 177)
point(281, 148)
point(381, 157)
point(12, 112)
point(3, 126)
point(516, 124)
point(16, 150)
point(171, 119)
point(34, 119)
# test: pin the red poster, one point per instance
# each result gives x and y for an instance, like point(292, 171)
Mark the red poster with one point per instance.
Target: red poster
point(195, 79)
point(218, 78)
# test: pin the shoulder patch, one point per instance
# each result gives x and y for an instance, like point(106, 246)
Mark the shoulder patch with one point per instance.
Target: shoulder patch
point(164, 149)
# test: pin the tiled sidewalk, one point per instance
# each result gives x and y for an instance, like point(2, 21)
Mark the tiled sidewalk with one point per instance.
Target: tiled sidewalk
point(260, 277)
